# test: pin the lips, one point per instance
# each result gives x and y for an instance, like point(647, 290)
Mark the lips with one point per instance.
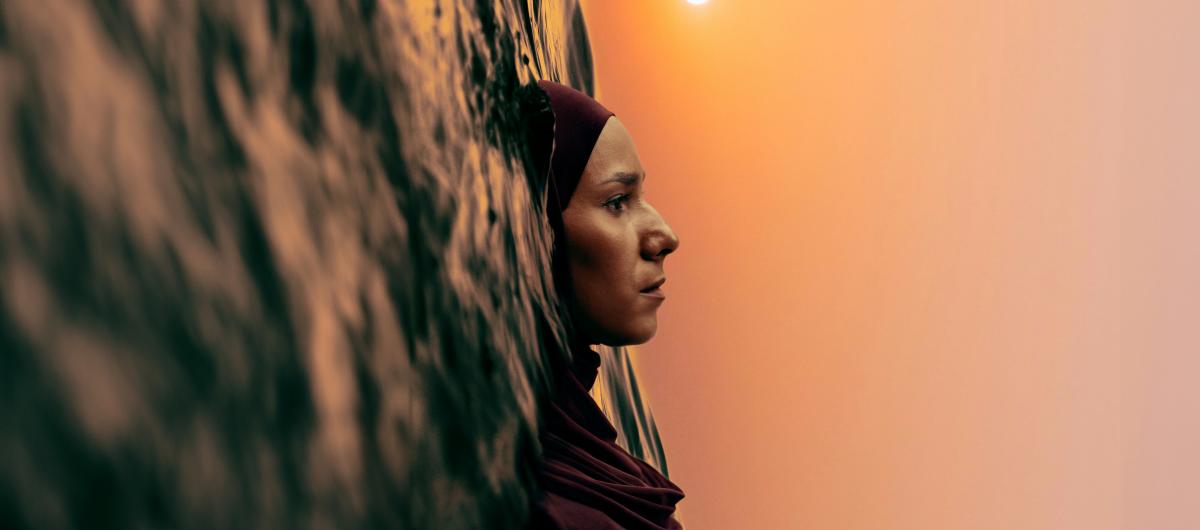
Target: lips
point(653, 291)
point(655, 285)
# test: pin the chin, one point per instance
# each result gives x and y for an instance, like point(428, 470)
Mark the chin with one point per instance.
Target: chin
point(621, 332)
point(635, 335)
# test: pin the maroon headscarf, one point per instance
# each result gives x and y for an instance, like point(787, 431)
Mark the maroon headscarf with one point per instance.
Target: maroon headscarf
point(588, 481)
point(578, 121)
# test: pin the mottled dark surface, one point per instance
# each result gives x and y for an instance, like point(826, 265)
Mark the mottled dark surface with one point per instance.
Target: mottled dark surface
point(271, 264)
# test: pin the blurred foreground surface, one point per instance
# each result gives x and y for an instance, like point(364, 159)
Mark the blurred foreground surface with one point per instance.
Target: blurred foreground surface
point(271, 264)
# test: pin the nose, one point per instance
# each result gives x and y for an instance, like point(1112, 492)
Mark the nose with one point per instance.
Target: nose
point(658, 240)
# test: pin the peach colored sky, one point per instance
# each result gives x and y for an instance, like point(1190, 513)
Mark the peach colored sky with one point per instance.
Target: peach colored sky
point(936, 263)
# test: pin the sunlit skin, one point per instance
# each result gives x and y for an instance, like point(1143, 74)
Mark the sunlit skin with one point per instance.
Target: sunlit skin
point(616, 245)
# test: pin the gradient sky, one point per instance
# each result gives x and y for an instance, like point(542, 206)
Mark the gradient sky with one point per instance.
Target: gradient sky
point(936, 263)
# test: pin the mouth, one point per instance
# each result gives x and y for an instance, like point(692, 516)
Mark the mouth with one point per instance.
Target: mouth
point(654, 289)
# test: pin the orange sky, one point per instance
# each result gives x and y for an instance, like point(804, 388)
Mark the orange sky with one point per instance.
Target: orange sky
point(903, 293)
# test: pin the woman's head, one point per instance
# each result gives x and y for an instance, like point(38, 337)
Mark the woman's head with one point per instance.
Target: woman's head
point(611, 242)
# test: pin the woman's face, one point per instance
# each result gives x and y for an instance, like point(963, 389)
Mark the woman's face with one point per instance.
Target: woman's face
point(616, 245)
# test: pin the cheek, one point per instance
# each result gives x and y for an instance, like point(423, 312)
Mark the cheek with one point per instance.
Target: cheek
point(602, 258)
point(596, 253)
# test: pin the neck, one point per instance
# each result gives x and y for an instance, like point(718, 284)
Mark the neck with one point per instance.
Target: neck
point(584, 362)
point(580, 344)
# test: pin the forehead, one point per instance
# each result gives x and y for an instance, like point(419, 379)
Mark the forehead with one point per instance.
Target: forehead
point(614, 153)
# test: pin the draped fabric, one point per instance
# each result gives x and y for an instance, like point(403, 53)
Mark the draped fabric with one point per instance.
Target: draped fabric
point(590, 482)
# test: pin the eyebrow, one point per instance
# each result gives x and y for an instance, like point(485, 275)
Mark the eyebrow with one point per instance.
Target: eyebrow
point(625, 177)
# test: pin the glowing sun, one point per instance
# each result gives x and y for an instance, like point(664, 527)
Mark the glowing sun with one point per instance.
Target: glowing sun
point(697, 2)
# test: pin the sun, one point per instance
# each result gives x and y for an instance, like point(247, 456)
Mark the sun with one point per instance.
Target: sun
point(697, 2)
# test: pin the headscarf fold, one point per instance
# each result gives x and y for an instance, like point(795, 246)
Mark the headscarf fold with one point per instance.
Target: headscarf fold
point(588, 480)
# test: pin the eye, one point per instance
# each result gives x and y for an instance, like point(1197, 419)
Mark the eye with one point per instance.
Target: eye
point(617, 203)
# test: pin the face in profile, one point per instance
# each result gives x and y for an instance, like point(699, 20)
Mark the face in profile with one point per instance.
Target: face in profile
point(616, 245)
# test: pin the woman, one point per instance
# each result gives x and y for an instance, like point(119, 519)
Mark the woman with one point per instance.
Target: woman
point(610, 245)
